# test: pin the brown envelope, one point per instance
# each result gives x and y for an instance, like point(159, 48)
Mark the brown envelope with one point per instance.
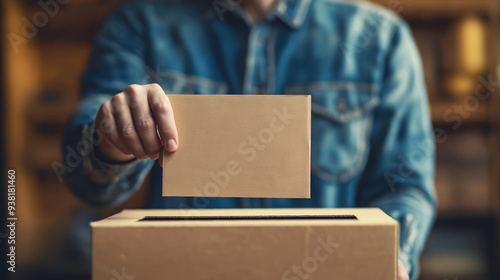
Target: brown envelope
point(240, 146)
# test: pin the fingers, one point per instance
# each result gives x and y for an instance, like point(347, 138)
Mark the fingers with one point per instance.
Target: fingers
point(143, 120)
point(164, 117)
point(402, 272)
point(105, 123)
point(126, 126)
point(138, 121)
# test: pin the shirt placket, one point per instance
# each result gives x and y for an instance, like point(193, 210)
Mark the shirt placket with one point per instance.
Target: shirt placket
point(256, 80)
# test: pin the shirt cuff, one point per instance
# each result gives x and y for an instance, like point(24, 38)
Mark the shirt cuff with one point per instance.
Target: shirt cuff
point(103, 171)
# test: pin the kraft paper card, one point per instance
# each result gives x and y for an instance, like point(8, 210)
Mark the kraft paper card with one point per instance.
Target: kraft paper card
point(240, 146)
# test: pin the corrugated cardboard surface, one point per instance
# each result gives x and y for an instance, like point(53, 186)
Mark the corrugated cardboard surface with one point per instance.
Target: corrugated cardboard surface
point(240, 146)
point(364, 248)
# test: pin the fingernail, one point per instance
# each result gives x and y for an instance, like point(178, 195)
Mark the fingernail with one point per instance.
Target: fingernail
point(155, 156)
point(171, 145)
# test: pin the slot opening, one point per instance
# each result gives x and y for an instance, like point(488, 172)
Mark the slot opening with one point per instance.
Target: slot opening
point(247, 218)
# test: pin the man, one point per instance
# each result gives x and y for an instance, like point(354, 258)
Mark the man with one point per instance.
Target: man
point(372, 142)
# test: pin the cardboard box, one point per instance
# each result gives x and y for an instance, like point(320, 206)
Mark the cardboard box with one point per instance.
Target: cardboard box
point(240, 146)
point(334, 244)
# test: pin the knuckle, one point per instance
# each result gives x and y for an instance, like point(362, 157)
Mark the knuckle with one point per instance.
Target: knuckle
point(105, 109)
point(118, 99)
point(161, 107)
point(133, 90)
point(132, 87)
point(156, 87)
point(145, 124)
point(128, 133)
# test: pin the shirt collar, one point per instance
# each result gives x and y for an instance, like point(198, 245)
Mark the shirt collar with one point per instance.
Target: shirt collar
point(292, 12)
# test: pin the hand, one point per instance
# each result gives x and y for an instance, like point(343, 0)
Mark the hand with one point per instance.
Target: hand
point(138, 122)
point(402, 273)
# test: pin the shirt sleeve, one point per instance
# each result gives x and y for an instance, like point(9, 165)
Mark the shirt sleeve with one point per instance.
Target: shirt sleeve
point(400, 169)
point(117, 61)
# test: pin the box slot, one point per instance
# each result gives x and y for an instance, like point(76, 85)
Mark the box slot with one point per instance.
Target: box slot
point(246, 218)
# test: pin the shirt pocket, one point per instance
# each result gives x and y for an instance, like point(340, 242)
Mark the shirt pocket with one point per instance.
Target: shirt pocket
point(340, 127)
point(174, 82)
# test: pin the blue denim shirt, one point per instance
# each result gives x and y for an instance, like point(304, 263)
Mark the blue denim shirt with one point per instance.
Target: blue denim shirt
point(372, 140)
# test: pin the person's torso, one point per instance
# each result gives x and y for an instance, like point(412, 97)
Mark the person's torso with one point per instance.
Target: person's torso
point(332, 50)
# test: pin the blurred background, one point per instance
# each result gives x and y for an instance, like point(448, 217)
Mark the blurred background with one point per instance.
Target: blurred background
point(39, 82)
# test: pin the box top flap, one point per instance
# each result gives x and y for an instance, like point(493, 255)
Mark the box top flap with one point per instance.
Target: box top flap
point(246, 217)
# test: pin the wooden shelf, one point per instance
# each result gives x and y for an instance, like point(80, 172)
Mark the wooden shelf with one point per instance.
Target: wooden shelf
point(441, 108)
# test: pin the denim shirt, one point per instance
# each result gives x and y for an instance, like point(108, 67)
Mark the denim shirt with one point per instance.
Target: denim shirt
point(372, 140)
